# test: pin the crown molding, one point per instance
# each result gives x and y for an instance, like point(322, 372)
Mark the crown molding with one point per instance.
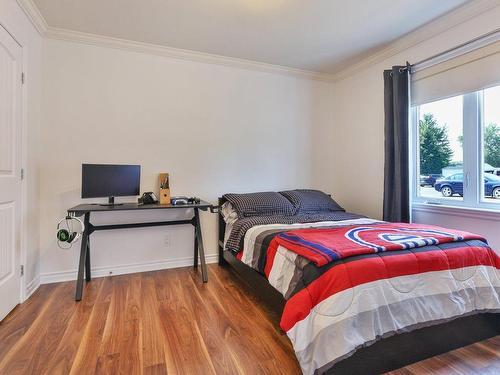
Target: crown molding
point(177, 53)
point(34, 15)
point(431, 29)
point(461, 14)
point(36, 18)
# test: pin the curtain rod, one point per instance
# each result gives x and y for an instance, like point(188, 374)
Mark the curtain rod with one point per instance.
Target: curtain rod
point(480, 41)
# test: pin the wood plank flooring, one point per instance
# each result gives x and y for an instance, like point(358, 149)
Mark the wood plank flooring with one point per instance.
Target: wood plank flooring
point(169, 322)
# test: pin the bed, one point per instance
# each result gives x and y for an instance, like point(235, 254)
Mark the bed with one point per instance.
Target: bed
point(352, 310)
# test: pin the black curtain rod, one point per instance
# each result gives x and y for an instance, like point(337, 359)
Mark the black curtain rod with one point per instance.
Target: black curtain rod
point(405, 68)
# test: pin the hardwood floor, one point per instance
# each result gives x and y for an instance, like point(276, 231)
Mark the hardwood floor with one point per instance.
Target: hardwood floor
point(169, 322)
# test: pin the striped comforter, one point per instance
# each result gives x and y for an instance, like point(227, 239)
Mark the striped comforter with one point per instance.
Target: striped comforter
point(334, 309)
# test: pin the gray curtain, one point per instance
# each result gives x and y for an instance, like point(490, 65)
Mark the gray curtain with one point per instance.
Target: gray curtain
point(396, 169)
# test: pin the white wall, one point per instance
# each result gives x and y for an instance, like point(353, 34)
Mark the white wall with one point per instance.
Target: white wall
point(16, 22)
point(215, 128)
point(356, 160)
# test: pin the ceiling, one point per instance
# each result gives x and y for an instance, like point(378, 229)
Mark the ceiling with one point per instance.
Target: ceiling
point(315, 35)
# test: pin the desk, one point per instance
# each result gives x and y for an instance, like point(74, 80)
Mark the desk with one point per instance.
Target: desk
point(87, 209)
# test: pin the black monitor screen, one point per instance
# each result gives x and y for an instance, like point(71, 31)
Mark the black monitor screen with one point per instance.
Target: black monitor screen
point(108, 180)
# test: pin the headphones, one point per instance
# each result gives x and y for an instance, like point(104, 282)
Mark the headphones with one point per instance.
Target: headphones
point(67, 234)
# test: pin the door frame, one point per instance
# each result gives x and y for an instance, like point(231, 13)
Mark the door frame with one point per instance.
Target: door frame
point(23, 240)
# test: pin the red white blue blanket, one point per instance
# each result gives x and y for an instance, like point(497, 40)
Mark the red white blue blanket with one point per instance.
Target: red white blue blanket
point(326, 245)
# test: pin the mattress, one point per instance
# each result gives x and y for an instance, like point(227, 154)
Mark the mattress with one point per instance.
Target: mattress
point(227, 232)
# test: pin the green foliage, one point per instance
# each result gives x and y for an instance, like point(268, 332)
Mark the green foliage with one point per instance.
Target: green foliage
point(492, 145)
point(435, 150)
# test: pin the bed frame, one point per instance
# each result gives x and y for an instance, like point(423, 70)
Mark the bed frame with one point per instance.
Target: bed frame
point(386, 354)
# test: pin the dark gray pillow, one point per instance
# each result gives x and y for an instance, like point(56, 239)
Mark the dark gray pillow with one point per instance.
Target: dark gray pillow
point(260, 204)
point(309, 201)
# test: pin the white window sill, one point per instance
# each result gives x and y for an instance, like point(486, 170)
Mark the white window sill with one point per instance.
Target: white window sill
point(476, 213)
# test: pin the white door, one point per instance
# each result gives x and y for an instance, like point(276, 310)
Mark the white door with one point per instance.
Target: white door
point(10, 172)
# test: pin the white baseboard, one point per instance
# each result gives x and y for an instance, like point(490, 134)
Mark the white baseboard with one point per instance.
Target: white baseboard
point(55, 277)
point(32, 287)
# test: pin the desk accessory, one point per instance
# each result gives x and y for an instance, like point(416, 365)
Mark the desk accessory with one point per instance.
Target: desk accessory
point(178, 201)
point(148, 198)
point(164, 188)
point(68, 235)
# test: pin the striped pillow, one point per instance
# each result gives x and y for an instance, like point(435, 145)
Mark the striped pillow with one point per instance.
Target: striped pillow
point(310, 201)
point(260, 204)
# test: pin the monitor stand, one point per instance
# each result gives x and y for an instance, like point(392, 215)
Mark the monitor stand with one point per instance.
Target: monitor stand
point(111, 202)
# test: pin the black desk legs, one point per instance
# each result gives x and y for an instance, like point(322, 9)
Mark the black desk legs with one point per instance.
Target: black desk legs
point(84, 259)
point(87, 261)
point(195, 248)
point(199, 242)
point(84, 263)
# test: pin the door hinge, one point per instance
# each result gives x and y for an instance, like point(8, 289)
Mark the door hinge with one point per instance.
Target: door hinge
point(22, 269)
point(22, 78)
point(22, 173)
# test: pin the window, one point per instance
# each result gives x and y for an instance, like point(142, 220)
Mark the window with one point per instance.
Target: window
point(491, 145)
point(440, 131)
point(455, 133)
point(456, 143)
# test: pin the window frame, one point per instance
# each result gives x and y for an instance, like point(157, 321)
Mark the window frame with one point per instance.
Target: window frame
point(473, 158)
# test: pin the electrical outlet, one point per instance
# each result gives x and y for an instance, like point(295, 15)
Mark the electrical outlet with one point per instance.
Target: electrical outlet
point(166, 240)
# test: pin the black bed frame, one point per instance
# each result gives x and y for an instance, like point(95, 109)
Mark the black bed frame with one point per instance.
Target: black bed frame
point(388, 353)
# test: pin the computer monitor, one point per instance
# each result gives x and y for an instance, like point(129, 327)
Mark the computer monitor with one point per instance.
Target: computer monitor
point(110, 180)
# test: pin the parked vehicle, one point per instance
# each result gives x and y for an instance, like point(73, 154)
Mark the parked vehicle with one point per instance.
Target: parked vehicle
point(454, 184)
point(429, 180)
point(492, 186)
point(451, 185)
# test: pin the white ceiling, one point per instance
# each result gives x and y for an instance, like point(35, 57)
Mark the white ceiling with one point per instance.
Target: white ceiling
point(315, 35)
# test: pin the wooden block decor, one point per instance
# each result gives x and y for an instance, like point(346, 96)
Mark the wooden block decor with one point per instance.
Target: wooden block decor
point(164, 188)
